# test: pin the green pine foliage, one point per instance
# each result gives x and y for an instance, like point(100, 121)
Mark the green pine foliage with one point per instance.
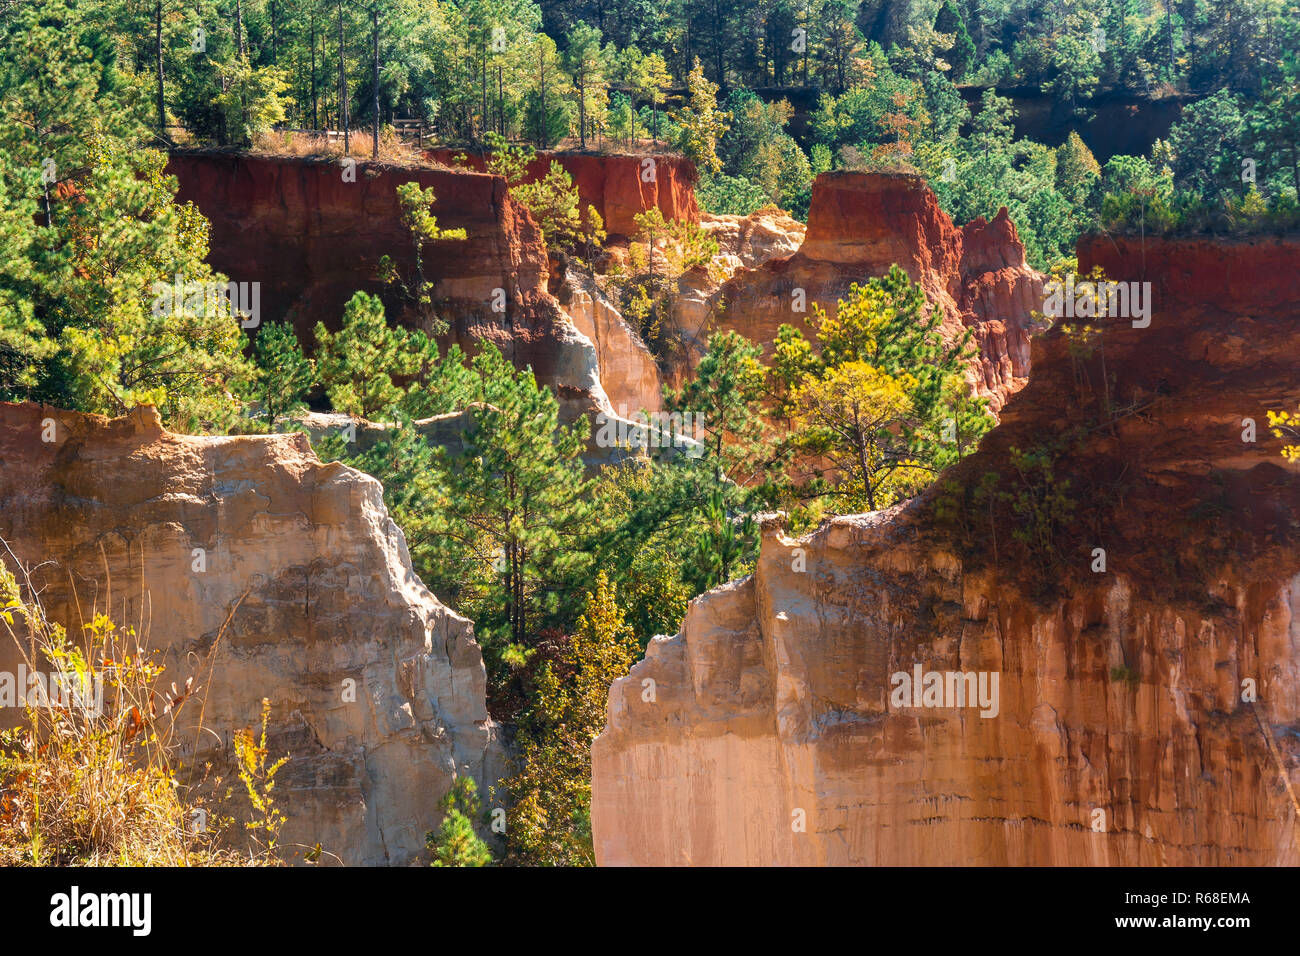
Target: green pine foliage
point(362, 364)
point(514, 515)
point(284, 375)
point(95, 243)
point(567, 575)
point(883, 398)
point(455, 842)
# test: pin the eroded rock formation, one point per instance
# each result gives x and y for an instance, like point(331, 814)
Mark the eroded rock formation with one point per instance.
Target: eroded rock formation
point(746, 242)
point(860, 224)
point(629, 374)
point(261, 572)
point(312, 236)
point(312, 239)
point(1148, 709)
point(620, 187)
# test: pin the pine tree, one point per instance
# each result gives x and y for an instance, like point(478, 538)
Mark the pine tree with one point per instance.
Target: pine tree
point(650, 79)
point(416, 205)
point(553, 200)
point(569, 689)
point(359, 362)
point(961, 55)
point(701, 123)
point(1077, 169)
point(1274, 123)
point(92, 322)
point(845, 415)
point(284, 374)
point(515, 514)
point(586, 62)
point(455, 843)
point(885, 400)
point(725, 399)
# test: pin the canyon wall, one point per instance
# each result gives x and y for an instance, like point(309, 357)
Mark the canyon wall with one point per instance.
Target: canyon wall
point(313, 239)
point(260, 572)
point(860, 224)
point(620, 187)
point(1145, 640)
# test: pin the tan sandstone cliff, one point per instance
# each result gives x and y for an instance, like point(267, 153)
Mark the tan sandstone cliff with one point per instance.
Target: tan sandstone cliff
point(1148, 712)
point(263, 573)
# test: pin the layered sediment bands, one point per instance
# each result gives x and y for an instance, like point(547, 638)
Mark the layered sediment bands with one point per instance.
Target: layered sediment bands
point(261, 572)
point(619, 187)
point(749, 241)
point(312, 239)
point(1125, 733)
point(744, 244)
point(860, 224)
point(628, 372)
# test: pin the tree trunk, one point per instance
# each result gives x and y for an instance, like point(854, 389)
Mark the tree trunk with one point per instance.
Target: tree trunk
point(717, 43)
point(582, 110)
point(162, 108)
point(807, 24)
point(1169, 24)
point(866, 474)
point(343, 87)
point(374, 29)
point(315, 111)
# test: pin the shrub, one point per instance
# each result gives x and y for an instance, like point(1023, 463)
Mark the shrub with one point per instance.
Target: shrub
point(90, 777)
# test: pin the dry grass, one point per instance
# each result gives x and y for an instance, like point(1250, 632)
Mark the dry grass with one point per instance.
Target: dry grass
point(90, 776)
point(392, 148)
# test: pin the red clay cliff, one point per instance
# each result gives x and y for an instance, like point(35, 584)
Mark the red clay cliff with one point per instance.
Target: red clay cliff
point(1144, 629)
point(860, 224)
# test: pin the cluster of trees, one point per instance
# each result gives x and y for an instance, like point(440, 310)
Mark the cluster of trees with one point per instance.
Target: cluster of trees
point(627, 74)
point(1231, 164)
point(857, 410)
point(89, 230)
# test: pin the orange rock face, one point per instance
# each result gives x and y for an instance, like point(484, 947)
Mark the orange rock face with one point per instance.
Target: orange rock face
point(619, 187)
point(260, 572)
point(1146, 657)
point(860, 224)
point(313, 238)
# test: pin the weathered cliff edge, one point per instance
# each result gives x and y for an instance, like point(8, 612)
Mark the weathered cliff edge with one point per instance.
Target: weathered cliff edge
point(620, 187)
point(312, 239)
point(1121, 735)
point(302, 591)
point(860, 224)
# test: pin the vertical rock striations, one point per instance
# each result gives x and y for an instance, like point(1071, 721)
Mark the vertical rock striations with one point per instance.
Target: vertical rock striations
point(1147, 707)
point(263, 573)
